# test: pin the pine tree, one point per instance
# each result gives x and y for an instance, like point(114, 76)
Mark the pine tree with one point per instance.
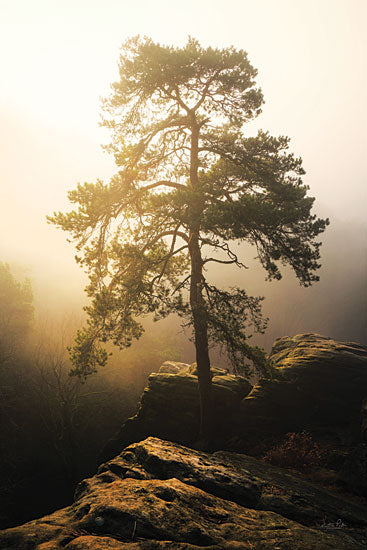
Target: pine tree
point(189, 185)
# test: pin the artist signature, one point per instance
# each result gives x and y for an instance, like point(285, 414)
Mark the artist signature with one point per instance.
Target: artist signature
point(333, 525)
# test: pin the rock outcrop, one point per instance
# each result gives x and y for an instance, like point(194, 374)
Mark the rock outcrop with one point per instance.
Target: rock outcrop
point(169, 407)
point(318, 385)
point(160, 495)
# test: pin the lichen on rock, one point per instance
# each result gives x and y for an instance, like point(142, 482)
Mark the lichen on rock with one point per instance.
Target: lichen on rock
point(186, 499)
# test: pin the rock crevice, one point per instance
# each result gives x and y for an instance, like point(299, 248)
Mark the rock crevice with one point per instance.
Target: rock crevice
point(153, 492)
point(157, 494)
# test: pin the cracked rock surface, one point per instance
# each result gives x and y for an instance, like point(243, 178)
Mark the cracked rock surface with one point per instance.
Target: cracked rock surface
point(158, 495)
point(169, 407)
point(319, 385)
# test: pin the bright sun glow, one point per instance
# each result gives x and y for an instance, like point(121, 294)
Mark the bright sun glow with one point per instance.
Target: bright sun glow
point(58, 59)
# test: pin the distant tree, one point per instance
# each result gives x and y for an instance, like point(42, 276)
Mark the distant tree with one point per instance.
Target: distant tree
point(16, 316)
point(16, 313)
point(189, 185)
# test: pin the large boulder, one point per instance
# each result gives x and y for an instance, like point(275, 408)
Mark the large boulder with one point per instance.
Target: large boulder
point(318, 386)
point(161, 495)
point(169, 407)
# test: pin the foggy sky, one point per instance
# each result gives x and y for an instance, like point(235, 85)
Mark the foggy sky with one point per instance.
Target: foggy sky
point(58, 58)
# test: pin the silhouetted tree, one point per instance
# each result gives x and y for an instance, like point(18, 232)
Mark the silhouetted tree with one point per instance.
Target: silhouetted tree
point(16, 313)
point(189, 185)
point(16, 316)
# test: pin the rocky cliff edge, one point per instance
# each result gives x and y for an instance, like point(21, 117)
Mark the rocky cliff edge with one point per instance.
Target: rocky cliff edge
point(160, 495)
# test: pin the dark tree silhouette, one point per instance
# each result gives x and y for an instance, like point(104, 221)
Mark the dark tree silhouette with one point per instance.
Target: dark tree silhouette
point(16, 314)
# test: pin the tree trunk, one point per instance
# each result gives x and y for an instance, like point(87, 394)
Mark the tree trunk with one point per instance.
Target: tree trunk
point(197, 303)
point(201, 342)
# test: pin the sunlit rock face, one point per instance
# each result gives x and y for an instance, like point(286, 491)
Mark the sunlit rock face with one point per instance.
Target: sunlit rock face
point(161, 495)
point(319, 386)
point(169, 407)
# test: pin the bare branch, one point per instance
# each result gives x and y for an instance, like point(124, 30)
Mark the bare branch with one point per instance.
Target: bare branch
point(223, 246)
point(220, 261)
point(171, 253)
point(166, 259)
point(166, 234)
point(181, 284)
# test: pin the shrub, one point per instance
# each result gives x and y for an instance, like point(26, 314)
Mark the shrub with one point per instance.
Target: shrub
point(298, 451)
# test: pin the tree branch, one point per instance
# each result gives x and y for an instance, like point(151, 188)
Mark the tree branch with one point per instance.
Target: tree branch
point(205, 91)
point(181, 284)
point(166, 234)
point(163, 182)
point(220, 261)
point(166, 259)
point(225, 247)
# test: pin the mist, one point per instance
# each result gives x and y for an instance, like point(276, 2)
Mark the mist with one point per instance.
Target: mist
point(57, 62)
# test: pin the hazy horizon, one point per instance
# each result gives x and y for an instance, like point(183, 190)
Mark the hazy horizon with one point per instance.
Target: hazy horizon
point(57, 60)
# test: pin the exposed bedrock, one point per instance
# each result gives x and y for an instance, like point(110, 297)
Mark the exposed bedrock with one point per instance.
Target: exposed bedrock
point(319, 386)
point(157, 494)
point(154, 493)
point(169, 407)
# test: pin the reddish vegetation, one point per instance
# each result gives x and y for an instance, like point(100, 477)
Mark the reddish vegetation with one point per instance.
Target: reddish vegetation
point(298, 451)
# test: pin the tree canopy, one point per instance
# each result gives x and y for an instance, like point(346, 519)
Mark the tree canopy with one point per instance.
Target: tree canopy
point(16, 313)
point(189, 185)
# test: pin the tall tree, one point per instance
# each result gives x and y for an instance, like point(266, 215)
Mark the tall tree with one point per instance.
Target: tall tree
point(189, 185)
point(16, 314)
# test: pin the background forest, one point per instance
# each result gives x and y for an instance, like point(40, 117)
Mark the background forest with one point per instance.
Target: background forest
point(52, 425)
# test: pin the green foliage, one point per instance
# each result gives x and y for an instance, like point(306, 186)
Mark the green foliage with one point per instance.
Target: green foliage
point(189, 183)
point(86, 355)
point(16, 313)
point(230, 315)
